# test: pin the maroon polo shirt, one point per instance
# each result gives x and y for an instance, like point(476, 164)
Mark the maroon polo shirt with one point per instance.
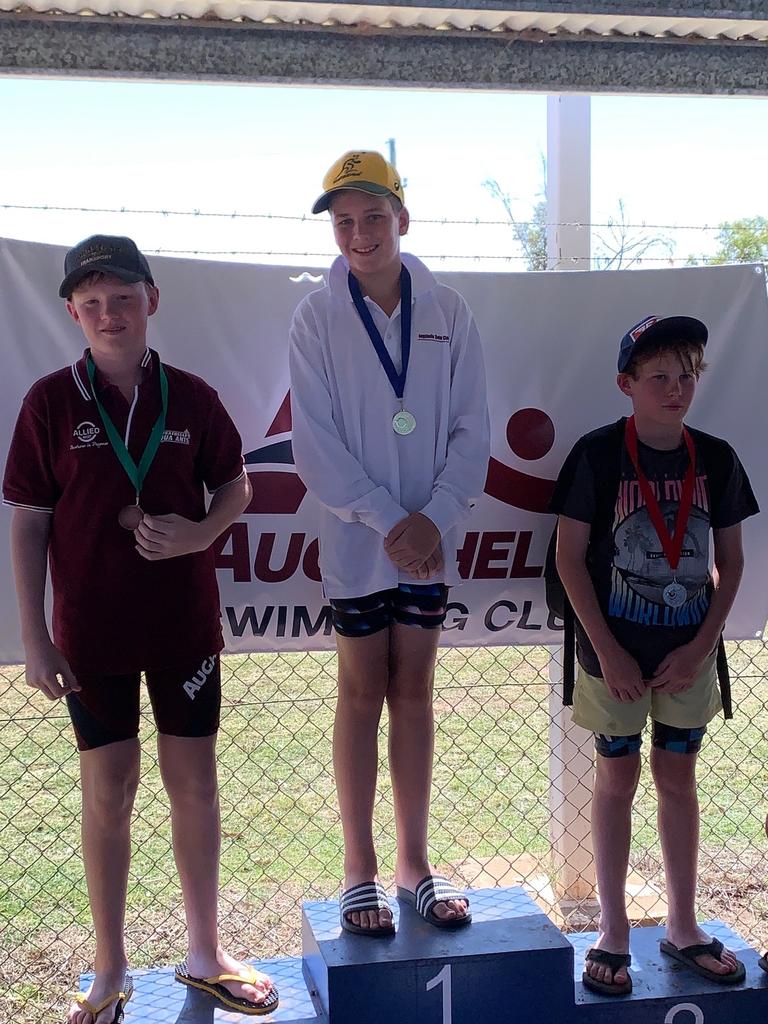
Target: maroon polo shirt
point(113, 611)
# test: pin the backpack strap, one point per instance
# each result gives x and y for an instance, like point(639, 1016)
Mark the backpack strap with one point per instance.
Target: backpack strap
point(569, 654)
point(724, 679)
point(717, 482)
point(604, 456)
point(605, 461)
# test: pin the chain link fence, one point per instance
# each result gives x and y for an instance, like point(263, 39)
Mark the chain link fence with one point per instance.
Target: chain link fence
point(281, 833)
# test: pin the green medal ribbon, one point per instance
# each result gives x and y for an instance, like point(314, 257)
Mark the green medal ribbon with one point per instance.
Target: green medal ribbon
point(136, 474)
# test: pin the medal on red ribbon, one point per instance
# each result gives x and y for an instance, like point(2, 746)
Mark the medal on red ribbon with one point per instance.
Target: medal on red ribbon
point(674, 594)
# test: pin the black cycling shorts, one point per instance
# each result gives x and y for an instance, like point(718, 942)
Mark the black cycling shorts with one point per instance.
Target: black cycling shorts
point(186, 701)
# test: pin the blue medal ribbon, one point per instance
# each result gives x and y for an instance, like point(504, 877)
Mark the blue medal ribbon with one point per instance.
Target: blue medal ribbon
point(397, 380)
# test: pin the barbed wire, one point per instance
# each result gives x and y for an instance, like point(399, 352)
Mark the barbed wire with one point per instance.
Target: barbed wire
point(477, 257)
point(311, 219)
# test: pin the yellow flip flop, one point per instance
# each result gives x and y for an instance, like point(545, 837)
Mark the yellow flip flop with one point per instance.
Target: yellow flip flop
point(122, 998)
point(214, 987)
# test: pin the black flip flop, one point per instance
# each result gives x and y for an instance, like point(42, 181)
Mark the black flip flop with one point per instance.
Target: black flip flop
point(434, 889)
point(763, 962)
point(214, 988)
point(120, 1008)
point(614, 961)
point(685, 955)
point(365, 896)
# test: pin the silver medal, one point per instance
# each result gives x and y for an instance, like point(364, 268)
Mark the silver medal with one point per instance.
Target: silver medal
point(675, 595)
point(403, 422)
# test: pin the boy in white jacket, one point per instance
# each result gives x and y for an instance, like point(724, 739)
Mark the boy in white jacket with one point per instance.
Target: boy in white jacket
point(390, 433)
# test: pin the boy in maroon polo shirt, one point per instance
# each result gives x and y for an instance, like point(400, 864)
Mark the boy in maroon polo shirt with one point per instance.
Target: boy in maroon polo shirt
point(107, 473)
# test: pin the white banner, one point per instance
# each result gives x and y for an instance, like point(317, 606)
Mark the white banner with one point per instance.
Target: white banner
point(550, 342)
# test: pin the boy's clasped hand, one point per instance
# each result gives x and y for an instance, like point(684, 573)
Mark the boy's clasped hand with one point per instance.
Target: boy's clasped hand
point(413, 544)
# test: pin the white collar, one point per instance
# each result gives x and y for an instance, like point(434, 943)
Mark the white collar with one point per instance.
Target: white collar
point(422, 279)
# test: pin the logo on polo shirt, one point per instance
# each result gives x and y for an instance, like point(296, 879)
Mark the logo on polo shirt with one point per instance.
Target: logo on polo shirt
point(177, 436)
point(428, 336)
point(86, 432)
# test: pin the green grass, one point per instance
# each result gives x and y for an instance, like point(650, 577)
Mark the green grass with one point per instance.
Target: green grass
point(281, 837)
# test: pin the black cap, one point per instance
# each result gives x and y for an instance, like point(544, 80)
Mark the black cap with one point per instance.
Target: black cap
point(659, 329)
point(106, 254)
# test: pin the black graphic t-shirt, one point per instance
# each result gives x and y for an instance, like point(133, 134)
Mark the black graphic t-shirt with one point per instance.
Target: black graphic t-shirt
point(627, 564)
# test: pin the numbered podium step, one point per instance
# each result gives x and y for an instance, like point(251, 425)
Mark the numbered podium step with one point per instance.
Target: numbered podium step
point(511, 963)
point(665, 992)
point(160, 999)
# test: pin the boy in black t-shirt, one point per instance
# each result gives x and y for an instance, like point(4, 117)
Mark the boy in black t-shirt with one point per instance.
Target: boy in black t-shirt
point(649, 617)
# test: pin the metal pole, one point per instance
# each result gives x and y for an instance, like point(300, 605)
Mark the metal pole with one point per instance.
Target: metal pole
point(571, 747)
point(568, 182)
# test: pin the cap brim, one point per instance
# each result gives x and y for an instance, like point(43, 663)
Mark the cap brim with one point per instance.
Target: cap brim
point(72, 279)
point(675, 328)
point(669, 328)
point(359, 186)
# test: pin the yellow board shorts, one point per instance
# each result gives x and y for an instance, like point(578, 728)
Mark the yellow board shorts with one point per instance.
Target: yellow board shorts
point(595, 709)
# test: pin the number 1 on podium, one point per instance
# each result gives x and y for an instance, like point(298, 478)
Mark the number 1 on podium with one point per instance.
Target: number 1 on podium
point(444, 979)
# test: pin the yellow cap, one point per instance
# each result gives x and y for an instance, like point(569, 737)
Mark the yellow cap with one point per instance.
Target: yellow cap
point(363, 170)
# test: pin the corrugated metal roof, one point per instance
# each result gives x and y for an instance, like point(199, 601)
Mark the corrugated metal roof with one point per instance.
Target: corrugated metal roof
point(395, 16)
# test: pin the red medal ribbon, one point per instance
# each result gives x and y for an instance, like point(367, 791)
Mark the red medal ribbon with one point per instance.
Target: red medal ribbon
point(671, 546)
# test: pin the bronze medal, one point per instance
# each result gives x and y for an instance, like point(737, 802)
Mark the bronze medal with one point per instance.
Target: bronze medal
point(130, 516)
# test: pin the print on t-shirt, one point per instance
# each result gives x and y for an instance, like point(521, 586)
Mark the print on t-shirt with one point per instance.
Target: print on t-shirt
point(641, 570)
point(625, 558)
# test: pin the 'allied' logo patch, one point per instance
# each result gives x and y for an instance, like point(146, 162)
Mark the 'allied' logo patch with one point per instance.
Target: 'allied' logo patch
point(86, 432)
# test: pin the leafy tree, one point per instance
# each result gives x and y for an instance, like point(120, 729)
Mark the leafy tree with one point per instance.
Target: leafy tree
point(742, 241)
point(531, 234)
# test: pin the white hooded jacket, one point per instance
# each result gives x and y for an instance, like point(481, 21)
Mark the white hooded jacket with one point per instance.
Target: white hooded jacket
point(366, 476)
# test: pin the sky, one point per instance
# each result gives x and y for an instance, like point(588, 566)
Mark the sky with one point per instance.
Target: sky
point(238, 149)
